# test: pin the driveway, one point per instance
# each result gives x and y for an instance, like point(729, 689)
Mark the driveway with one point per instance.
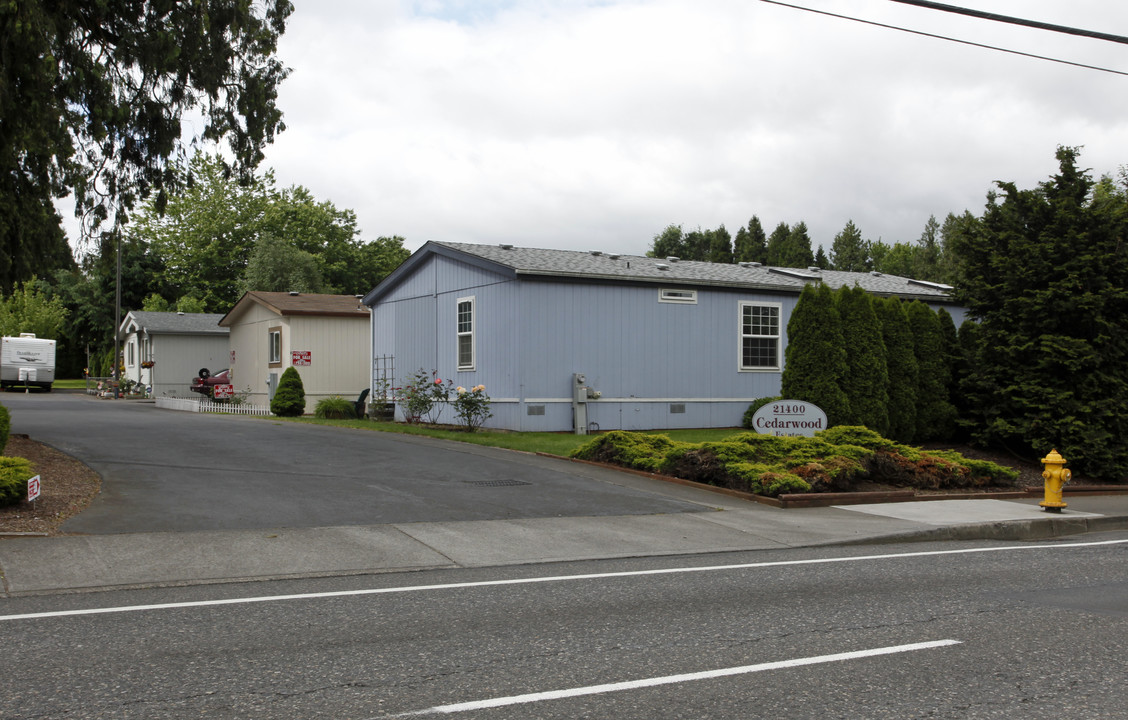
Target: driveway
point(164, 470)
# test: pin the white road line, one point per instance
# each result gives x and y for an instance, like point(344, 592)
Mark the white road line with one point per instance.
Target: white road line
point(554, 578)
point(673, 679)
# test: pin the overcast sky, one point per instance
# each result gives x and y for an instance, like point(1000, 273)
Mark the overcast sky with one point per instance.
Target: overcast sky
point(585, 125)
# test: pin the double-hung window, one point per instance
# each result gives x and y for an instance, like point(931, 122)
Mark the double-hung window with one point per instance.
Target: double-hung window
point(466, 333)
point(275, 346)
point(759, 336)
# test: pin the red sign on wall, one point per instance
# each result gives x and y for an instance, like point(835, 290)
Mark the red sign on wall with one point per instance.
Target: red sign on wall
point(301, 357)
point(223, 391)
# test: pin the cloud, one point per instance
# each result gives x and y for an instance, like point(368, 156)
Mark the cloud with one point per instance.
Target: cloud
point(594, 125)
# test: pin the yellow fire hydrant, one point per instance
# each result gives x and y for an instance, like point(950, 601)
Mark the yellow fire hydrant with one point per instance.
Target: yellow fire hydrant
point(1056, 475)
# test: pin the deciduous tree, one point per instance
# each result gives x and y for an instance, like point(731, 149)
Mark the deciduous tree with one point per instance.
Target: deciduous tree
point(93, 101)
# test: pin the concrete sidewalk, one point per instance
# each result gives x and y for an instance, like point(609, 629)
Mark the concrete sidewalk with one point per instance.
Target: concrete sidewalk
point(73, 563)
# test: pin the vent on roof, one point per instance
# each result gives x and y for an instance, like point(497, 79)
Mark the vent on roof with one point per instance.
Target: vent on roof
point(814, 268)
point(294, 292)
point(875, 273)
point(756, 264)
point(662, 266)
point(613, 256)
point(744, 264)
point(505, 246)
point(794, 272)
point(672, 258)
point(178, 312)
point(933, 285)
point(596, 253)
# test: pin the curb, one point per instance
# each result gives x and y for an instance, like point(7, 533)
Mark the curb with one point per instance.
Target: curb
point(809, 500)
point(1010, 530)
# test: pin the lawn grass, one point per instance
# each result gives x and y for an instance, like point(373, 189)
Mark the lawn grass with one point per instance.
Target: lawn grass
point(69, 384)
point(554, 443)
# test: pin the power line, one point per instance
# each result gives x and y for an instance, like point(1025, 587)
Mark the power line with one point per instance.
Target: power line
point(944, 37)
point(1015, 21)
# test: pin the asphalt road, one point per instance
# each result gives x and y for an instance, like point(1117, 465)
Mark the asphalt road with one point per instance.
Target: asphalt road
point(176, 471)
point(954, 630)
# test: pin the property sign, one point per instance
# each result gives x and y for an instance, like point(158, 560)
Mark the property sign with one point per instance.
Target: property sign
point(789, 418)
point(223, 391)
point(301, 357)
point(33, 488)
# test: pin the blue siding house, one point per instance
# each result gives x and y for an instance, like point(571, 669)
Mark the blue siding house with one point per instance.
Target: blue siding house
point(617, 341)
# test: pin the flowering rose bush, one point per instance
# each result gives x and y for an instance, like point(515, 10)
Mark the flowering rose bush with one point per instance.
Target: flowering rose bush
point(471, 406)
point(424, 396)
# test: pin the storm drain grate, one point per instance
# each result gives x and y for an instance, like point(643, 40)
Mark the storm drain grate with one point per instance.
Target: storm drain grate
point(496, 483)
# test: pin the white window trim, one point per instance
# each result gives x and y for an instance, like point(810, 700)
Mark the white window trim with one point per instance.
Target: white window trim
point(741, 367)
point(472, 334)
point(677, 296)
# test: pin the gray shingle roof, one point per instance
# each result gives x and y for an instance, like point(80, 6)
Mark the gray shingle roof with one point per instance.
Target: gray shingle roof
point(636, 268)
point(172, 323)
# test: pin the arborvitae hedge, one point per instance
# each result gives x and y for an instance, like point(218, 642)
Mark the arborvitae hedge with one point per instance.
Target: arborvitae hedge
point(815, 356)
point(936, 416)
point(289, 397)
point(866, 380)
point(902, 364)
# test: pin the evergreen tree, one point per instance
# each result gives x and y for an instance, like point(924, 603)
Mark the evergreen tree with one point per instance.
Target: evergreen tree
point(952, 352)
point(928, 250)
point(866, 381)
point(720, 246)
point(751, 244)
point(1046, 273)
point(936, 415)
point(777, 244)
point(821, 259)
point(289, 396)
point(968, 416)
point(902, 366)
point(850, 252)
point(815, 357)
point(796, 250)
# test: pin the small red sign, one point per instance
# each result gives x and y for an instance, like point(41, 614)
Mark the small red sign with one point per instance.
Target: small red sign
point(301, 357)
point(33, 488)
point(223, 391)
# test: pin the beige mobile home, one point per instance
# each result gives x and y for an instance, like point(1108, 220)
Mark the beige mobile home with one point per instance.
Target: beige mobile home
point(324, 337)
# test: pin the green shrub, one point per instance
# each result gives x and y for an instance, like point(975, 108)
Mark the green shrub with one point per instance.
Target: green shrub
point(633, 450)
point(289, 397)
point(835, 460)
point(334, 407)
point(5, 427)
point(14, 474)
point(750, 413)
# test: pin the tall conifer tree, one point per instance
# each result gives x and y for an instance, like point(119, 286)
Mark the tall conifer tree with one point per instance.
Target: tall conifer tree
point(815, 357)
point(866, 381)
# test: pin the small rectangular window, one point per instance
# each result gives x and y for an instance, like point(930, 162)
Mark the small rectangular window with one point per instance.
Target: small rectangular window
point(465, 333)
point(759, 336)
point(129, 359)
point(275, 347)
point(686, 297)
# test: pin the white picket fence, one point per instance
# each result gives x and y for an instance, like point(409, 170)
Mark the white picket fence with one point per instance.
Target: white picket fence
point(200, 405)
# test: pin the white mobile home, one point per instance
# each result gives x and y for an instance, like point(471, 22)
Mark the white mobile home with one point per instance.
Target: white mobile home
point(663, 343)
point(165, 350)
